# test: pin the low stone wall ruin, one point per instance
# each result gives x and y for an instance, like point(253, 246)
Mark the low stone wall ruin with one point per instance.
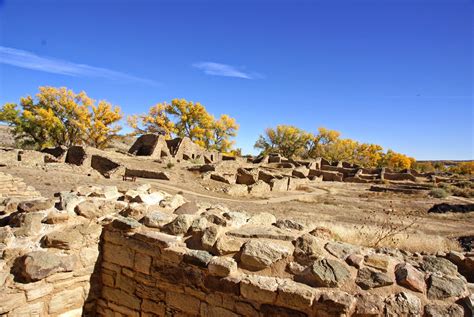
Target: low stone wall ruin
point(143, 252)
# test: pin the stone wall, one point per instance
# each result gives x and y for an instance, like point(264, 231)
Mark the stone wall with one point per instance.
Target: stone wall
point(143, 252)
point(14, 187)
point(149, 273)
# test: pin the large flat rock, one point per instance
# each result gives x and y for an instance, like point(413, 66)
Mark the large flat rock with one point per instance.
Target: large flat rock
point(267, 232)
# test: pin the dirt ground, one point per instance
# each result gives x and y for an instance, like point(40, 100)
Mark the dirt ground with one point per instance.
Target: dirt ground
point(348, 204)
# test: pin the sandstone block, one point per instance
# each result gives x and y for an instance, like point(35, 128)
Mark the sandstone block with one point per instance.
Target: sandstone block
point(66, 300)
point(222, 266)
point(35, 205)
point(261, 289)
point(183, 302)
point(237, 190)
point(259, 254)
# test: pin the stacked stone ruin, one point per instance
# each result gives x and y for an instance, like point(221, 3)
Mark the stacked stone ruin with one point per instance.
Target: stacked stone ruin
point(276, 173)
point(157, 146)
point(143, 252)
point(13, 187)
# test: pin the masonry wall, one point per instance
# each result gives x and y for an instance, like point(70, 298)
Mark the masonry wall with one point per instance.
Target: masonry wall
point(152, 274)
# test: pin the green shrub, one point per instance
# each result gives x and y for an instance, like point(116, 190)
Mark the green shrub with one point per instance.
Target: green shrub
point(169, 165)
point(439, 193)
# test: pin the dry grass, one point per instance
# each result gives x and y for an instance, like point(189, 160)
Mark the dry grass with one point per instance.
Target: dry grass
point(413, 241)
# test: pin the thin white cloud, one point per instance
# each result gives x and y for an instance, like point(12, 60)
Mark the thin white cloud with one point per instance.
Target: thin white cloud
point(29, 60)
point(217, 69)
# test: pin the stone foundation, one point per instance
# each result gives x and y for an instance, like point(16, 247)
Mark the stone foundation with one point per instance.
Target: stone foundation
point(143, 252)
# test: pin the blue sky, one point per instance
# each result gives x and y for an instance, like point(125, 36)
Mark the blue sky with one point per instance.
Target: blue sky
point(396, 73)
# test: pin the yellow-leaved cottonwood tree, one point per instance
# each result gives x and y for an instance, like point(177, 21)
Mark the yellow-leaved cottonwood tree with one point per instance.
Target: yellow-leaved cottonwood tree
point(293, 142)
point(287, 140)
point(184, 118)
point(59, 116)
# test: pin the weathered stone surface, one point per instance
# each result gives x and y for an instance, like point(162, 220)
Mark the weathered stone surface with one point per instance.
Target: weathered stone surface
point(189, 208)
point(107, 192)
point(35, 309)
point(11, 301)
point(259, 254)
point(149, 199)
point(266, 176)
point(410, 277)
point(37, 265)
point(183, 302)
point(235, 218)
point(341, 249)
point(336, 302)
point(267, 232)
point(295, 268)
point(29, 223)
point(307, 249)
point(245, 177)
point(213, 216)
point(198, 225)
point(301, 172)
point(68, 201)
point(124, 223)
point(66, 300)
point(228, 245)
point(259, 189)
point(355, 260)
point(377, 261)
point(403, 304)
point(328, 273)
point(158, 238)
point(68, 239)
point(135, 210)
point(262, 219)
point(95, 208)
point(432, 264)
point(55, 217)
point(295, 295)
point(8, 205)
point(157, 219)
point(259, 288)
point(222, 266)
point(225, 178)
point(368, 278)
point(441, 287)
point(6, 237)
point(289, 224)
point(237, 190)
point(368, 305)
point(209, 237)
point(296, 183)
point(35, 205)
point(434, 310)
point(172, 202)
point(197, 257)
point(279, 184)
point(180, 225)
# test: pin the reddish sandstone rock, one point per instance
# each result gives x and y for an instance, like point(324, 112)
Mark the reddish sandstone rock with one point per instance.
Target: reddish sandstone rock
point(410, 277)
